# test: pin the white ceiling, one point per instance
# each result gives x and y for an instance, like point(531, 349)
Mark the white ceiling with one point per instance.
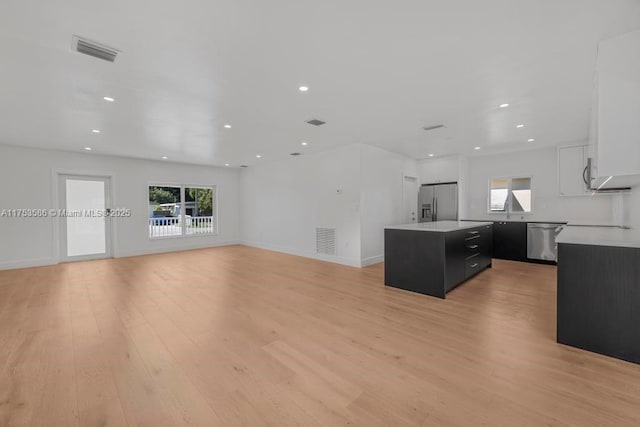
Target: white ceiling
point(378, 71)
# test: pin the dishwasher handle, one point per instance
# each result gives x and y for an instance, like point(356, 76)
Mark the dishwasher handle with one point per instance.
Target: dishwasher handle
point(546, 226)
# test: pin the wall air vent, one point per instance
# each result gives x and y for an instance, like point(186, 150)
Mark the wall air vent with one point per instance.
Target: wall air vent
point(95, 49)
point(316, 122)
point(326, 241)
point(428, 128)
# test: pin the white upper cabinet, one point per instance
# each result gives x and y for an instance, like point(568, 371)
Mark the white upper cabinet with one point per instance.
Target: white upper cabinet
point(618, 127)
point(439, 169)
point(571, 170)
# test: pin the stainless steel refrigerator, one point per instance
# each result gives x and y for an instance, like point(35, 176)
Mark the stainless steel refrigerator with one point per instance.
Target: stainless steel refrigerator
point(438, 202)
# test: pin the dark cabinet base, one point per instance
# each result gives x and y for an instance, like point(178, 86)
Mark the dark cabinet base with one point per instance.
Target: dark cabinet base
point(414, 261)
point(433, 263)
point(510, 240)
point(599, 299)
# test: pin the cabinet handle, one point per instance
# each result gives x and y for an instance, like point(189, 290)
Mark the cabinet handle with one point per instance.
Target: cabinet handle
point(474, 265)
point(473, 247)
point(473, 232)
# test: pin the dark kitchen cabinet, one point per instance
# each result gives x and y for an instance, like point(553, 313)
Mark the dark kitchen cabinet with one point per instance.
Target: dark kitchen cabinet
point(433, 263)
point(510, 240)
point(599, 299)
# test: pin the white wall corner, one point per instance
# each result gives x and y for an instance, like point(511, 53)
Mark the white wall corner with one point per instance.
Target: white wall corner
point(372, 260)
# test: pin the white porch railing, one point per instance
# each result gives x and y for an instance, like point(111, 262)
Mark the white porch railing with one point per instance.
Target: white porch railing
point(172, 226)
point(200, 225)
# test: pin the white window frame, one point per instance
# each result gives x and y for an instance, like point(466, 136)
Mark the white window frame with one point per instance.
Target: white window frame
point(183, 226)
point(509, 179)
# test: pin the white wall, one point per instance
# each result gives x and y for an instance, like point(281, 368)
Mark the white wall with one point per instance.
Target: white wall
point(381, 200)
point(547, 204)
point(26, 177)
point(277, 205)
point(283, 202)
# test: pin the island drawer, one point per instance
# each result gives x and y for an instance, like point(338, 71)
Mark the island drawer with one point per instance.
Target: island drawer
point(472, 247)
point(472, 265)
point(475, 264)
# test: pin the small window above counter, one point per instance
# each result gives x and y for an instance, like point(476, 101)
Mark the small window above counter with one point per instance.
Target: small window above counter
point(510, 195)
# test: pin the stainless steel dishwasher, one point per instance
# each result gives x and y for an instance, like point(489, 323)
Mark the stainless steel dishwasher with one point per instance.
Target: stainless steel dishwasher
point(541, 241)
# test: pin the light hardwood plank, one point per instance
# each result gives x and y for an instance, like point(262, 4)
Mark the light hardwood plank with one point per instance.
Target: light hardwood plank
point(243, 336)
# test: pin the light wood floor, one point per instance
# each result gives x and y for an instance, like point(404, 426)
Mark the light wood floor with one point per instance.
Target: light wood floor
point(238, 335)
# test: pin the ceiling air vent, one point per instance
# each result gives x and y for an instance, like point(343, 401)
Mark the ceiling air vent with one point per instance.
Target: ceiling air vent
point(95, 49)
point(316, 122)
point(295, 154)
point(428, 128)
point(244, 166)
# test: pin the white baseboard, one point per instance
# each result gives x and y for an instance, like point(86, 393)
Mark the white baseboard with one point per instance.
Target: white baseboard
point(328, 258)
point(372, 260)
point(178, 248)
point(12, 265)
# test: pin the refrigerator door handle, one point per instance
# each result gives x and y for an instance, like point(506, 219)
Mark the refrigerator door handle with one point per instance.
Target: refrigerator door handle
point(435, 209)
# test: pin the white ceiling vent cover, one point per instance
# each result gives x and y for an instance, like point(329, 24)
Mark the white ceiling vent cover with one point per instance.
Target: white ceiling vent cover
point(326, 241)
point(95, 49)
point(316, 122)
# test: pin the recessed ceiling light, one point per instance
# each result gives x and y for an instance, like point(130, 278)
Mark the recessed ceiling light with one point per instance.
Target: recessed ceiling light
point(303, 88)
point(227, 164)
point(304, 143)
point(530, 140)
point(520, 126)
point(430, 155)
point(227, 126)
point(164, 157)
point(108, 99)
point(476, 148)
point(258, 156)
point(87, 148)
point(96, 131)
point(504, 105)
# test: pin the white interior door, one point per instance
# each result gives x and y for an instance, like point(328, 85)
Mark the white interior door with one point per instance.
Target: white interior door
point(85, 227)
point(410, 199)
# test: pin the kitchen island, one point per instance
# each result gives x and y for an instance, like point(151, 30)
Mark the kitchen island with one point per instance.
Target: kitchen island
point(432, 258)
point(599, 290)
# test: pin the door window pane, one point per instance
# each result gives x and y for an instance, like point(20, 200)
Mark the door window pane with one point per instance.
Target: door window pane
point(86, 233)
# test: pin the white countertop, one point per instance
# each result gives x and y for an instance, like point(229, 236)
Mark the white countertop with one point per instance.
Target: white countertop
point(600, 236)
point(525, 220)
point(438, 226)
